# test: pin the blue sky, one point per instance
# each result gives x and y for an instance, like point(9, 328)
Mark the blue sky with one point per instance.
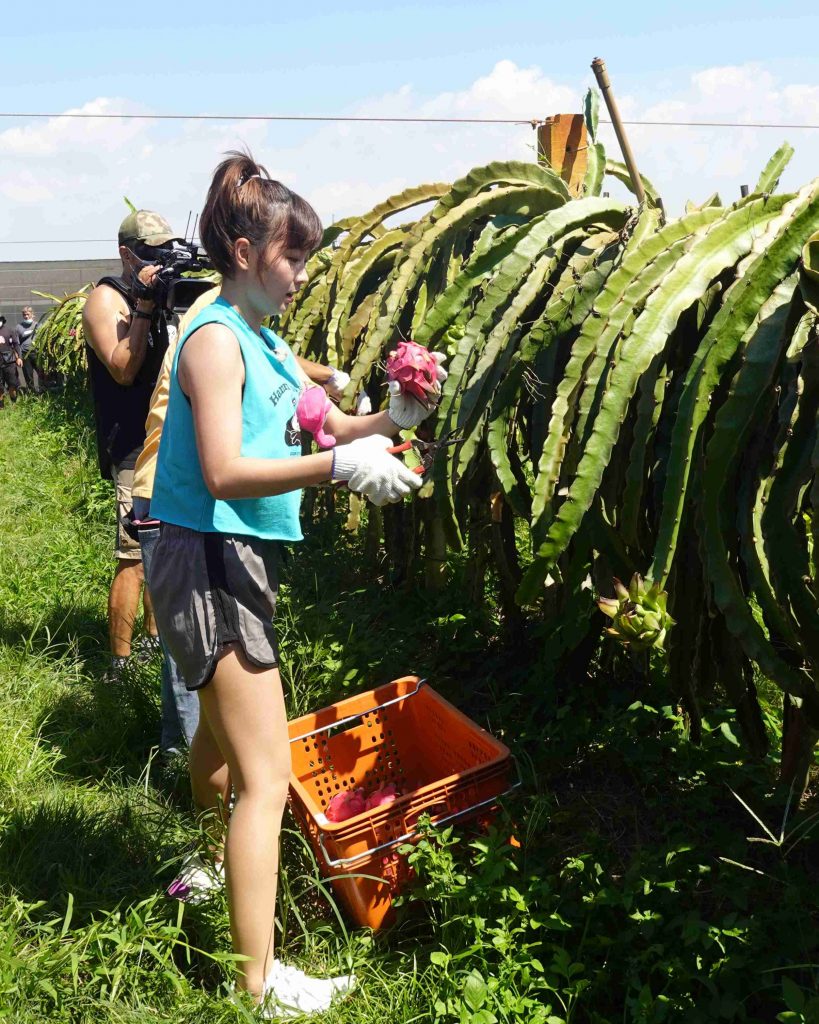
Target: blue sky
point(319, 57)
point(684, 61)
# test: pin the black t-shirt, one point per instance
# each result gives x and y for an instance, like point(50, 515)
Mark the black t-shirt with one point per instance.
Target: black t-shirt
point(120, 410)
point(9, 349)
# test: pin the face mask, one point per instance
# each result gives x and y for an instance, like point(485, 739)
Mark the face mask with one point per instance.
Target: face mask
point(26, 323)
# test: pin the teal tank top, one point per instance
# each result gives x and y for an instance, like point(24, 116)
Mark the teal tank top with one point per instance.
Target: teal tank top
point(269, 431)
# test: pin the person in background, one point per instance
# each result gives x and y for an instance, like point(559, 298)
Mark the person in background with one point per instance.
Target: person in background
point(10, 362)
point(126, 338)
point(24, 332)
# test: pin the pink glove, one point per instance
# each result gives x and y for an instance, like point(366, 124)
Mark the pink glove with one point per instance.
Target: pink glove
point(311, 412)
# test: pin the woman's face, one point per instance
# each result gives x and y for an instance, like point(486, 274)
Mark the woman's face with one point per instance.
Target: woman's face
point(283, 276)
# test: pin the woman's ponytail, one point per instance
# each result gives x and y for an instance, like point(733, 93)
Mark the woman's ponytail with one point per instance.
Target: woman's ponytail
point(244, 202)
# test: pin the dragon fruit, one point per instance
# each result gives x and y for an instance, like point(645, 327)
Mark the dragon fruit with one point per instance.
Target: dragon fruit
point(382, 797)
point(346, 805)
point(350, 802)
point(311, 413)
point(415, 369)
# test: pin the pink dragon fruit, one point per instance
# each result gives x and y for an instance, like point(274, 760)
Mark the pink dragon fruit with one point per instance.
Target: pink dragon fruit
point(382, 797)
point(311, 413)
point(346, 804)
point(415, 369)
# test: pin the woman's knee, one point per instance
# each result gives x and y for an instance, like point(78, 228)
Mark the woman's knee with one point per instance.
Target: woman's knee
point(270, 787)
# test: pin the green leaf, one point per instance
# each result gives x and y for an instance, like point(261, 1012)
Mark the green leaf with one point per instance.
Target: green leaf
point(792, 994)
point(499, 174)
point(474, 990)
point(772, 172)
point(591, 108)
point(620, 172)
point(728, 733)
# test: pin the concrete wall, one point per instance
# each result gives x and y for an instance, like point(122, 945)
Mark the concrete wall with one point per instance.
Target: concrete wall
point(55, 276)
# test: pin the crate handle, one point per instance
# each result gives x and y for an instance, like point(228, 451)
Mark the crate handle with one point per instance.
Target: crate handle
point(345, 861)
point(359, 714)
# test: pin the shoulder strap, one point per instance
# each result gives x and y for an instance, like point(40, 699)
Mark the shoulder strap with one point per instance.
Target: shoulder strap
point(119, 285)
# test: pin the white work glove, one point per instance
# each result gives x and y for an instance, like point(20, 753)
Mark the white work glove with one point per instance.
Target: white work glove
point(363, 405)
point(336, 383)
point(369, 469)
point(407, 412)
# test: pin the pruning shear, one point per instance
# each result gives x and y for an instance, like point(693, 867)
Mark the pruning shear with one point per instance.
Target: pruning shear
point(426, 450)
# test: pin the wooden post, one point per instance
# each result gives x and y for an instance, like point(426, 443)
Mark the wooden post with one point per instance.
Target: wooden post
point(562, 145)
point(602, 76)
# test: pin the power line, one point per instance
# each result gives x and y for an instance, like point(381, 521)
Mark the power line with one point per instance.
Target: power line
point(715, 124)
point(59, 241)
point(283, 117)
point(534, 122)
point(54, 241)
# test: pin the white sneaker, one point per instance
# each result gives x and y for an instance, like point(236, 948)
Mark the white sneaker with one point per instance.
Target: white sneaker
point(338, 986)
point(197, 879)
point(289, 992)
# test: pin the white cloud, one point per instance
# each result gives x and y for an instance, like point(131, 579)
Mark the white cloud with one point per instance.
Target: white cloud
point(65, 177)
point(693, 162)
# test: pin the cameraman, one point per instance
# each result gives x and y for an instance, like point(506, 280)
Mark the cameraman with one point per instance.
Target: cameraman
point(126, 339)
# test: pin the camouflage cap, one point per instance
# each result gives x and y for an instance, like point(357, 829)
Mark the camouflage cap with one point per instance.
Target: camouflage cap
point(145, 226)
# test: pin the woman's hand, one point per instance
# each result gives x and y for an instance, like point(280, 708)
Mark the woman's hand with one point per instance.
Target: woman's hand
point(407, 412)
point(369, 469)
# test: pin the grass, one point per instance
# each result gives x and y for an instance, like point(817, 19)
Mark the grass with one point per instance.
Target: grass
point(635, 895)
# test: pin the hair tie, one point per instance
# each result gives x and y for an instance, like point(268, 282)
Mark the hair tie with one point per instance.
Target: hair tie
point(250, 177)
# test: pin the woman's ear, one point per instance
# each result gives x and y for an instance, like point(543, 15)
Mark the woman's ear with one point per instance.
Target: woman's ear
point(241, 253)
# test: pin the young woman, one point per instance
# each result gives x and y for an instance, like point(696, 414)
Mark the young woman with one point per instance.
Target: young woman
point(227, 487)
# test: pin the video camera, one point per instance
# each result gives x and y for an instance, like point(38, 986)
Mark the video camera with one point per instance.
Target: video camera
point(186, 272)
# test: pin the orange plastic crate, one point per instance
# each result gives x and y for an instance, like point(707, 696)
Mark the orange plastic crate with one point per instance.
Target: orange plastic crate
point(441, 762)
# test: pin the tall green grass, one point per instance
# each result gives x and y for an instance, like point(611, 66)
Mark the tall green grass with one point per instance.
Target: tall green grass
point(91, 825)
point(640, 890)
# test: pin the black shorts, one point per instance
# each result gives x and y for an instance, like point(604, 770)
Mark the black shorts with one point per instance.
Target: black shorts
point(8, 376)
point(210, 590)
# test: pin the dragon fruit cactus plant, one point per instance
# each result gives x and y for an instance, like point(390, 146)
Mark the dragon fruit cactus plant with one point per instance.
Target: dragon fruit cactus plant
point(415, 370)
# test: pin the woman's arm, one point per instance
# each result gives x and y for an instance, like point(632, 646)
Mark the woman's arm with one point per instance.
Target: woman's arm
point(347, 428)
point(211, 374)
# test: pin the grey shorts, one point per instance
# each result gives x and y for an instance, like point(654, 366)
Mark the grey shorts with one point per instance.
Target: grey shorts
point(126, 548)
point(209, 591)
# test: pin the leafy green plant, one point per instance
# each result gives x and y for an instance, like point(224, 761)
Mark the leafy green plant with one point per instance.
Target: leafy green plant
point(499, 960)
point(59, 340)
